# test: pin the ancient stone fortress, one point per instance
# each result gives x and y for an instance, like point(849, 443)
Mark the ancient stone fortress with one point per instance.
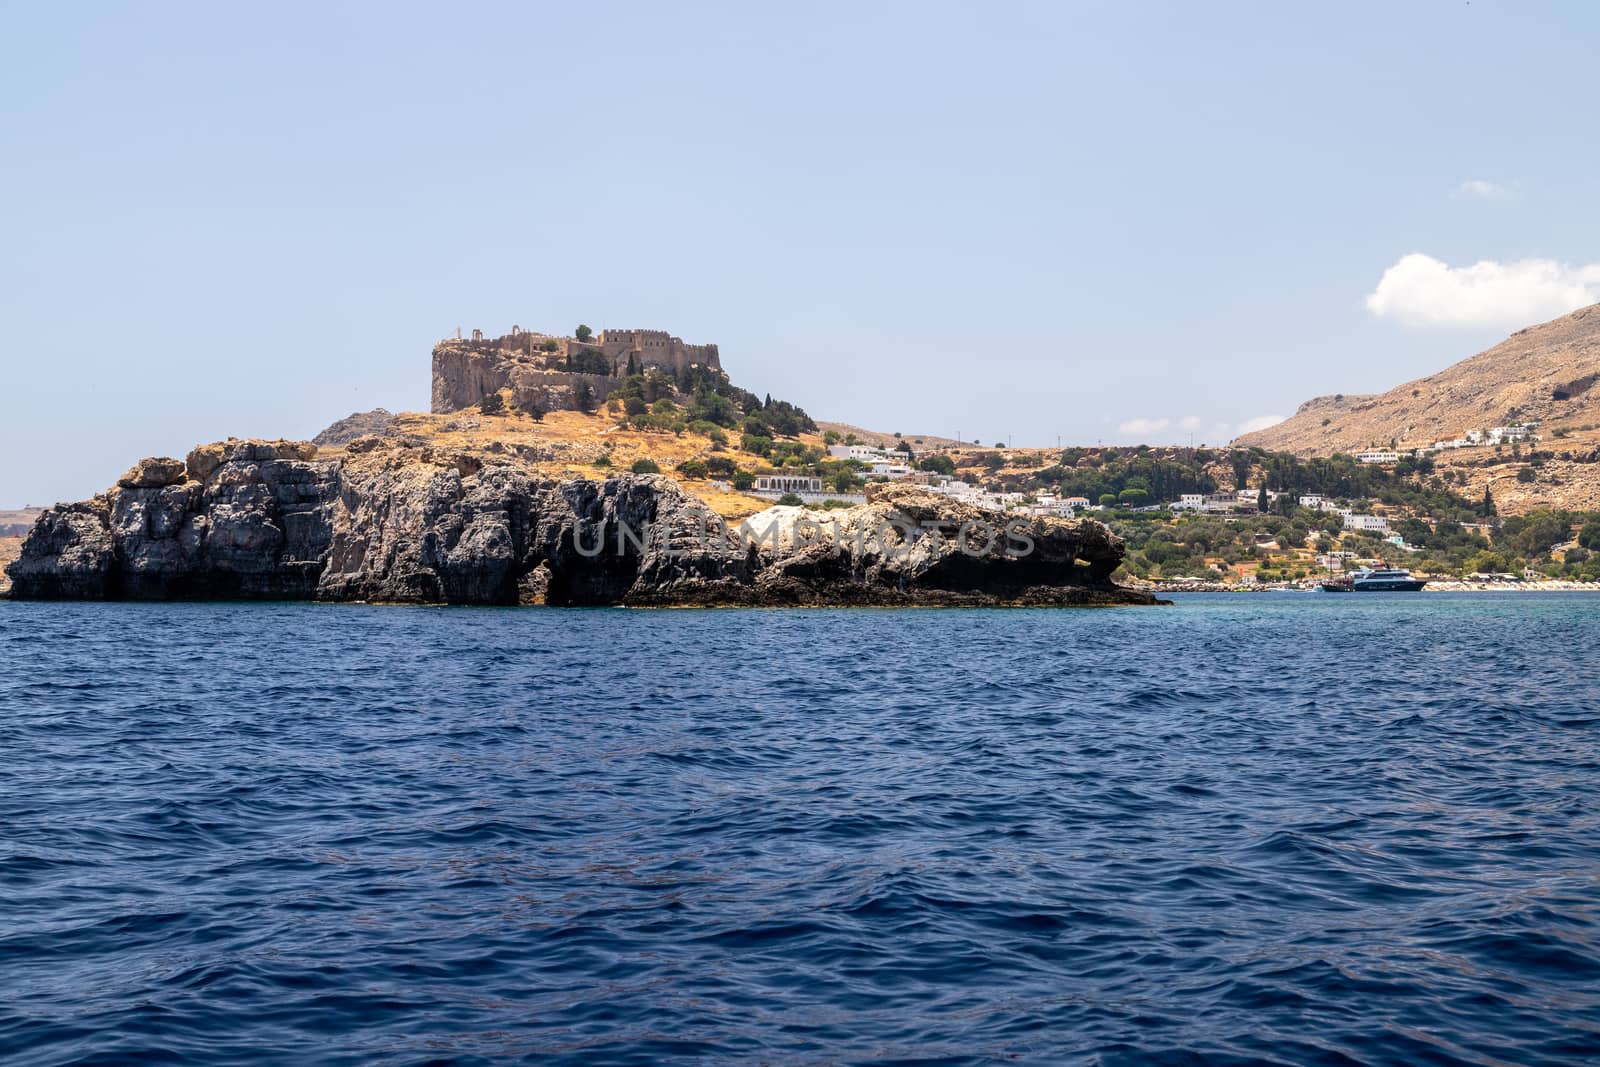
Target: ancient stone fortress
point(545, 369)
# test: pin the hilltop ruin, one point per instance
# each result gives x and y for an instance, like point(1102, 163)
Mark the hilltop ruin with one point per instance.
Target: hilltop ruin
point(549, 371)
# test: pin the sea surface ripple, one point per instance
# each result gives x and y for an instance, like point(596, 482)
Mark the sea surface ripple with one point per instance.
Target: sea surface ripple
point(1247, 829)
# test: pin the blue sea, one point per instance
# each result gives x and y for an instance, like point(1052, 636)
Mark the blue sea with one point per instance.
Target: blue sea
point(1270, 828)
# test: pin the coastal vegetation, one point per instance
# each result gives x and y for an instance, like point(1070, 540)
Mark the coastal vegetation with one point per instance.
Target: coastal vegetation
point(1287, 547)
point(702, 398)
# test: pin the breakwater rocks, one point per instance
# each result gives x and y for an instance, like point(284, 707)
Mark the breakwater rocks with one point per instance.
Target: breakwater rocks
point(393, 521)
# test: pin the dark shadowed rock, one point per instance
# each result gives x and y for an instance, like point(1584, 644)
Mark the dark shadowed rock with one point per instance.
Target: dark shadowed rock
point(394, 522)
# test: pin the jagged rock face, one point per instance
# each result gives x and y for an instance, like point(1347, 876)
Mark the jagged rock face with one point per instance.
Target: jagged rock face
point(906, 546)
point(68, 555)
point(403, 524)
point(255, 527)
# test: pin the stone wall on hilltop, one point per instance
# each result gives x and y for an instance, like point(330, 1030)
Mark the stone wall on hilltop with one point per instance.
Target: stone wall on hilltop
point(537, 366)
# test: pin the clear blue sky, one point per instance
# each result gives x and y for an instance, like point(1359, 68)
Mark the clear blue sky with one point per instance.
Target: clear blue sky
point(1023, 220)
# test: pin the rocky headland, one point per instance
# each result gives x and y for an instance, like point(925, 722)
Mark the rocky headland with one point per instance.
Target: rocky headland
point(397, 519)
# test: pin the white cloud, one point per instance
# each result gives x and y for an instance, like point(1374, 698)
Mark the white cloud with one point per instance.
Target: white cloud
point(1137, 427)
point(1422, 291)
point(1190, 422)
point(1478, 189)
point(1260, 422)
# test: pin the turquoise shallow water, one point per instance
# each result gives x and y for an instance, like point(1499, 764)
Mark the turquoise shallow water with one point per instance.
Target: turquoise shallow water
point(1266, 828)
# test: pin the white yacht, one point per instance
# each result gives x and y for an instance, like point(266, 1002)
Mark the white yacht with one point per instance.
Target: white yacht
point(1384, 579)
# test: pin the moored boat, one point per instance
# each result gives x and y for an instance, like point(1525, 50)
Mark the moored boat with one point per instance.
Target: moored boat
point(1384, 579)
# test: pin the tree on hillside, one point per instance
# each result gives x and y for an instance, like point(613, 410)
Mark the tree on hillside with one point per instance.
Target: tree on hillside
point(583, 333)
point(1241, 468)
point(535, 410)
point(1262, 500)
point(493, 404)
point(1488, 503)
point(583, 397)
point(633, 365)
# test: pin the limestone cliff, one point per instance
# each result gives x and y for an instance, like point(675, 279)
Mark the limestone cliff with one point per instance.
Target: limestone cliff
point(392, 520)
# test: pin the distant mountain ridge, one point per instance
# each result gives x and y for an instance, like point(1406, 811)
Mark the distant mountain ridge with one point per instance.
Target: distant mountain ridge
point(1546, 373)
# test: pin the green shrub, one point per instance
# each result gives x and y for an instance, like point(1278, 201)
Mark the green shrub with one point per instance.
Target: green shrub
point(493, 404)
point(645, 466)
point(693, 468)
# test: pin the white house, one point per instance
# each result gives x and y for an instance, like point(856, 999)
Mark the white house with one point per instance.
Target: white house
point(864, 453)
point(1313, 501)
point(1077, 503)
point(1190, 502)
point(1379, 456)
point(787, 483)
point(1370, 523)
point(1050, 504)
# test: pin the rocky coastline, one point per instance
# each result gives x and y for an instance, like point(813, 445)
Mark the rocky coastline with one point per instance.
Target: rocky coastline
point(391, 520)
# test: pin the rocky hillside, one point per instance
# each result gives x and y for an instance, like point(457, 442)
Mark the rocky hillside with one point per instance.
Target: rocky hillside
point(378, 421)
point(1546, 373)
point(398, 520)
point(919, 441)
point(16, 522)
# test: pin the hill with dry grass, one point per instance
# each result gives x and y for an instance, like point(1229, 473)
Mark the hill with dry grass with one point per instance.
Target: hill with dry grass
point(1546, 374)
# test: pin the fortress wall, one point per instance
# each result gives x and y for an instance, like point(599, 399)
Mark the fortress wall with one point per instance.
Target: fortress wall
point(465, 370)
